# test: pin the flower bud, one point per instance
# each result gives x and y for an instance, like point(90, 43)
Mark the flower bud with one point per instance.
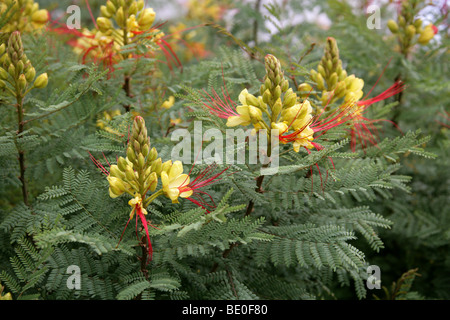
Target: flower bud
point(114, 171)
point(122, 164)
point(129, 173)
point(410, 31)
point(22, 82)
point(111, 7)
point(427, 34)
point(145, 150)
point(255, 114)
point(104, 12)
point(304, 87)
point(12, 70)
point(31, 73)
point(2, 84)
point(104, 24)
point(290, 99)
point(418, 23)
point(157, 166)
point(276, 109)
point(284, 85)
point(141, 160)
point(40, 16)
point(392, 25)
point(277, 92)
point(130, 154)
point(152, 181)
point(320, 82)
point(41, 81)
point(267, 96)
point(3, 74)
point(120, 17)
point(251, 100)
point(166, 166)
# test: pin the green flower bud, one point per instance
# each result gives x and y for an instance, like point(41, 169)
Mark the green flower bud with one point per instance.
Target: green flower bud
point(41, 81)
point(392, 25)
point(3, 74)
point(111, 7)
point(104, 12)
point(122, 164)
point(157, 166)
point(31, 73)
point(130, 154)
point(22, 82)
point(104, 24)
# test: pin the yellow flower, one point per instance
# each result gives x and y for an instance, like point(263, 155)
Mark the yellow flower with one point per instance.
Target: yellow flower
point(427, 34)
point(175, 182)
point(298, 116)
point(247, 114)
point(168, 103)
point(175, 121)
point(136, 201)
point(303, 139)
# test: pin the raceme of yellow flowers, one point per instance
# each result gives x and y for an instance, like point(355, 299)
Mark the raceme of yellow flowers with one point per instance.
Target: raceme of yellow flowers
point(332, 79)
point(27, 16)
point(277, 107)
point(119, 23)
point(409, 29)
point(17, 74)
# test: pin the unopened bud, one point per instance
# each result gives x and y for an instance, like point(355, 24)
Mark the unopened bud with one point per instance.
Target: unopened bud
point(410, 31)
point(392, 25)
point(141, 160)
point(304, 87)
point(105, 12)
point(104, 24)
point(3, 74)
point(130, 154)
point(111, 7)
point(120, 17)
point(157, 166)
point(22, 82)
point(31, 73)
point(41, 81)
point(251, 100)
point(40, 16)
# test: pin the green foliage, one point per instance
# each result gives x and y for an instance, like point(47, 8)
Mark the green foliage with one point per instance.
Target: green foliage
point(307, 230)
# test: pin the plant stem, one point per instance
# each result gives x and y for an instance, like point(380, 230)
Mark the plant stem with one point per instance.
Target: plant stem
point(127, 79)
point(250, 206)
point(20, 122)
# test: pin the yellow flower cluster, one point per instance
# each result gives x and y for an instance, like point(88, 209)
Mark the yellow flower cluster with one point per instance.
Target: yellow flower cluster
point(16, 70)
point(408, 28)
point(332, 79)
point(138, 173)
point(119, 23)
point(27, 16)
point(276, 108)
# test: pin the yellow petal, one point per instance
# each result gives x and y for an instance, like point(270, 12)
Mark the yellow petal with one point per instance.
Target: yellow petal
point(234, 121)
point(180, 181)
point(242, 96)
point(187, 193)
point(176, 170)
